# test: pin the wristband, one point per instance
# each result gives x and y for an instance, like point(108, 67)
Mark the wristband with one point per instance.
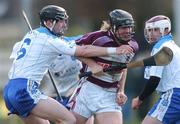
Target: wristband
point(111, 50)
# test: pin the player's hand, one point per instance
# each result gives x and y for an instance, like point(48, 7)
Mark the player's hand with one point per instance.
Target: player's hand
point(121, 98)
point(124, 49)
point(136, 102)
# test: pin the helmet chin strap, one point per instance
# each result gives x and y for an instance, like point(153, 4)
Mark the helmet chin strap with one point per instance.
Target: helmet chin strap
point(119, 39)
point(122, 41)
point(61, 32)
point(53, 24)
point(51, 28)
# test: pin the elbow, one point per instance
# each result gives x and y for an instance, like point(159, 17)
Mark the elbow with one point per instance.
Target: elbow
point(83, 51)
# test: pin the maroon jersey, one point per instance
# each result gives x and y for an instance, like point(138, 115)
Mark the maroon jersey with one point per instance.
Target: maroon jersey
point(107, 39)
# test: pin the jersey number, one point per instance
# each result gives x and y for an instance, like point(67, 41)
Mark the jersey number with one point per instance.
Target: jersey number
point(22, 51)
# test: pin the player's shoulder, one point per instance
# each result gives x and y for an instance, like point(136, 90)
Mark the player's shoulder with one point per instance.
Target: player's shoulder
point(43, 33)
point(169, 43)
point(158, 46)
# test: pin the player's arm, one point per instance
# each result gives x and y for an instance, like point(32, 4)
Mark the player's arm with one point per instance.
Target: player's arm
point(84, 48)
point(121, 83)
point(90, 50)
point(121, 98)
point(94, 67)
point(150, 86)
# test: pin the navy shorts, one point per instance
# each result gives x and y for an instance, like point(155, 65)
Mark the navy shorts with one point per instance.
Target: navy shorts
point(167, 108)
point(21, 95)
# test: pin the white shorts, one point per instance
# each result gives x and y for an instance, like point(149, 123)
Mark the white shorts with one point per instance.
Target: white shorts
point(94, 99)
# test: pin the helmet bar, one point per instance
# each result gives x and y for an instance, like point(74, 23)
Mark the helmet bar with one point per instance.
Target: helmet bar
point(161, 24)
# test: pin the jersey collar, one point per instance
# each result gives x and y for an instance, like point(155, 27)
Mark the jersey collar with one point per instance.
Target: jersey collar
point(162, 40)
point(46, 31)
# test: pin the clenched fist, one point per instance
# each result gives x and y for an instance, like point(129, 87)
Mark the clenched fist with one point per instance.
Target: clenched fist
point(121, 98)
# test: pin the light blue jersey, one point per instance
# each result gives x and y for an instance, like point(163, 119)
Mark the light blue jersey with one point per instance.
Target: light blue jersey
point(38, 51)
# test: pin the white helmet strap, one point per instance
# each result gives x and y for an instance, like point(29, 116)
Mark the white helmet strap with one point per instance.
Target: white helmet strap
point(53, 24)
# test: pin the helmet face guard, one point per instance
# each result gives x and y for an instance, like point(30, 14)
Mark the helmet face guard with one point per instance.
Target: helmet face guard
point(155, 23)
point(54, 13)
point(121, 19)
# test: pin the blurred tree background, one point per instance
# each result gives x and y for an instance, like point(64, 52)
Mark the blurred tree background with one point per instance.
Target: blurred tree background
point(84, 16)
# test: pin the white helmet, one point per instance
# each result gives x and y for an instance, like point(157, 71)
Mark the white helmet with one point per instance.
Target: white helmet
point(160, 21)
